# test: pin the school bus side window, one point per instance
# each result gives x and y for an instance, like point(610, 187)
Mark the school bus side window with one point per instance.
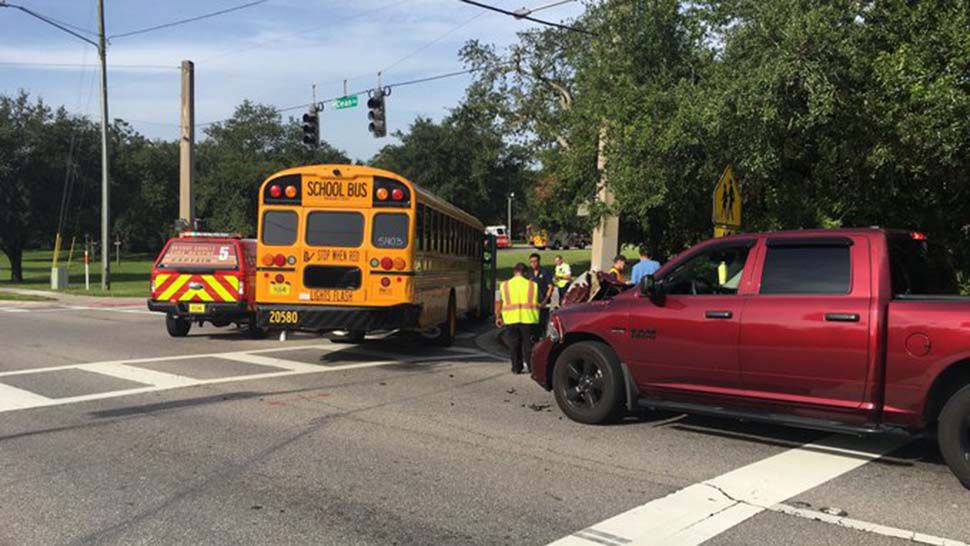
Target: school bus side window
point(436, 231)
point(279, 227)
point(419, 227)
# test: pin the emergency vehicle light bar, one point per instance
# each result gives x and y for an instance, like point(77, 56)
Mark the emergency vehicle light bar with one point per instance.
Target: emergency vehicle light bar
point(221, 235)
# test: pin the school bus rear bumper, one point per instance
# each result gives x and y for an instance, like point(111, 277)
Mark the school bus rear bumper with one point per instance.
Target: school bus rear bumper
point(317, 318)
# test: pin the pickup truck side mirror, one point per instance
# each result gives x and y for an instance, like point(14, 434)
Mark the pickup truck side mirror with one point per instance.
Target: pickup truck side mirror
point(653, 289)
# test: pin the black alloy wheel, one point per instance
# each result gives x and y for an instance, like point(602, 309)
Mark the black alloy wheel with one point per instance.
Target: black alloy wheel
point(588, 383)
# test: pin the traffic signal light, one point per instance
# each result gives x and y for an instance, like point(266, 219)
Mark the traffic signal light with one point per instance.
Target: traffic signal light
point(311, 128)
point(377, 114)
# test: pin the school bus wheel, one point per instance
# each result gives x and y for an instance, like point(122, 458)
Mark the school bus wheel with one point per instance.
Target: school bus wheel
point(350, 336)
point(447, 329)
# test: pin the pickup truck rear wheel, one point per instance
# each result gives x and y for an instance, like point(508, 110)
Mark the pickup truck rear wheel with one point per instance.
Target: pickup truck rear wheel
point(588, 383)
point(177, 326)
point(953, 434)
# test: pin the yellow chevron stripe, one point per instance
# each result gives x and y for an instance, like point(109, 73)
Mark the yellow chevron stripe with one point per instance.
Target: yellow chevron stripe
point(161, 278)
point(217, 287)
point(234, 281)
point(199, 293)
point(175, 286)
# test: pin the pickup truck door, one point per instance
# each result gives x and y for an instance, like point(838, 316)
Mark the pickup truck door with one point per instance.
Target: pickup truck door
point(805, 334)
point(690, 340)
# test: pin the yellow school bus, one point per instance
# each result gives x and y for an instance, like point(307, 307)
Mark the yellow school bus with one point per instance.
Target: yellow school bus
point(355, 249)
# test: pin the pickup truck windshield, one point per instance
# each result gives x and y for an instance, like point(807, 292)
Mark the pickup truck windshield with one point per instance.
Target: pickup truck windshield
point(920, 268)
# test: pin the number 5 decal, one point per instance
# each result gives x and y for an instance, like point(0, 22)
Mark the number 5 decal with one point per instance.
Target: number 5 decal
point(223, 253)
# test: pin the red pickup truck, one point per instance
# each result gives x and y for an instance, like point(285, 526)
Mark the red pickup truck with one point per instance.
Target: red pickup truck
point(854, 330)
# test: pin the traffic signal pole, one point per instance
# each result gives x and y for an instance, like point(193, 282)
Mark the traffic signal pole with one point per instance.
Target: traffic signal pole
point(105, 187)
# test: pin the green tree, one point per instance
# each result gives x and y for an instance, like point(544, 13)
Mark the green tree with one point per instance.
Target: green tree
point(238, 154)
point(464, 160)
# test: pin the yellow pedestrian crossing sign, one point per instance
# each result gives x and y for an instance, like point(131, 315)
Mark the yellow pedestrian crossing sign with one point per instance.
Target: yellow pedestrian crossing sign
point(727, 201)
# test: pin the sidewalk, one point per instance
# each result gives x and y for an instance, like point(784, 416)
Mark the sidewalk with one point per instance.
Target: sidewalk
point(70, 299)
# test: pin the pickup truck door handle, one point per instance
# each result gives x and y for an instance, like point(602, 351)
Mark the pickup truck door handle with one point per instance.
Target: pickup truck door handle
point(842, 317)
point(718, 314)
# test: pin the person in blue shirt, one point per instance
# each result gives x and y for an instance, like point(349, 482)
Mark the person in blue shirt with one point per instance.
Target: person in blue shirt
point(644, 267)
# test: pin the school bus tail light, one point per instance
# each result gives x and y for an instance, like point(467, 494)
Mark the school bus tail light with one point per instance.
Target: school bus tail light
point(267, 260)
point(279, 260)
point(399, 264)
point(385, 282)
point(387, 263)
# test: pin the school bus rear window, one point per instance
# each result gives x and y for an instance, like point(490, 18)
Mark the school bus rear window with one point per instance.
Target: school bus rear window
point(279, 227)
point(390, 231)
point(197, 254)
point(335, 229)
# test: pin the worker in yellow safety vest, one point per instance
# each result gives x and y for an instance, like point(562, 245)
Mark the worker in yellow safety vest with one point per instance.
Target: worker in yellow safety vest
point(563, 276)
point(517, 309)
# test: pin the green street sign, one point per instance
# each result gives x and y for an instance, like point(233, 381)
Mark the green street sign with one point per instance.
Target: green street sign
point(350, 101)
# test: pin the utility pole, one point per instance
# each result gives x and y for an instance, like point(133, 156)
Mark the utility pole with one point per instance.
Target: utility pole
point(105, 202)
point(187, 147)
point(606, 233)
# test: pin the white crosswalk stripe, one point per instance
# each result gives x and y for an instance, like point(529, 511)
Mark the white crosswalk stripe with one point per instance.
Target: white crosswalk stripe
point(15, 398)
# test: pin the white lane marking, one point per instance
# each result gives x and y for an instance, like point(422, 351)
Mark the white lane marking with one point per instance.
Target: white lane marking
point(28, 400)
point(160, 358)
point(141, 375)
point(132, 309)
point(12, 398)
point(858, 525)
point(291, 365)
point(704, 510)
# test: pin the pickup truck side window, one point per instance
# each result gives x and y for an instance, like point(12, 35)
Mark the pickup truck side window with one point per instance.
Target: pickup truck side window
point(713, 272)
point(809, 269)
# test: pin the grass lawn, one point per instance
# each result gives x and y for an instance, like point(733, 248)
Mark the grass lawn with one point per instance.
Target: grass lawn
point(132, 276)
point(128, 279)
point(13, 296)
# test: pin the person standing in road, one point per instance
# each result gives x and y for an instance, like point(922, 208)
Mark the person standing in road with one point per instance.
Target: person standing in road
point(517, 309)
point(542, 279)
point(616, 272)
point(562, 277)
point(646, 266)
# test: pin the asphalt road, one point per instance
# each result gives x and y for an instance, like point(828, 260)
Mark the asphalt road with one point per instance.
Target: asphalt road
point(113, 433)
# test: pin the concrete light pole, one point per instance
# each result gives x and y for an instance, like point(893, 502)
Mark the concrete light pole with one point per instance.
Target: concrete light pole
point(509, 227)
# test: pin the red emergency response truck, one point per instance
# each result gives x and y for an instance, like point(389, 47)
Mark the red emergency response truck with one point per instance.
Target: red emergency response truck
point(205, 277)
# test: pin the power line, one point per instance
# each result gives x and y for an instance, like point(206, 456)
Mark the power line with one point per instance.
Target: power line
point(49, 21)
point(432, 42)
point(527, 17)
point(188, 20)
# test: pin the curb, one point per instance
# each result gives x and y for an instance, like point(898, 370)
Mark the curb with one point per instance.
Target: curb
point(491, 342)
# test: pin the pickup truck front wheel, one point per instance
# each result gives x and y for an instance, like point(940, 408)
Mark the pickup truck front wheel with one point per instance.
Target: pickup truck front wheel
point(953, 434)
point(588, 383)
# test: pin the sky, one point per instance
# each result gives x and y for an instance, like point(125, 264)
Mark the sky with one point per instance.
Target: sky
point(270, 53)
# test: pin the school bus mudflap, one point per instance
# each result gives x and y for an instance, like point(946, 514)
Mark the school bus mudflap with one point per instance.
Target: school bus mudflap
point(316, 318)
